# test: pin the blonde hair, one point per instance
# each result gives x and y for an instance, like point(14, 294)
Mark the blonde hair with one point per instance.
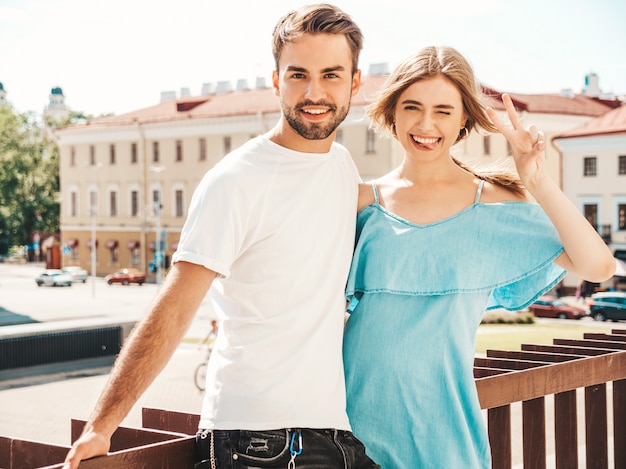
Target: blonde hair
point(443, 61)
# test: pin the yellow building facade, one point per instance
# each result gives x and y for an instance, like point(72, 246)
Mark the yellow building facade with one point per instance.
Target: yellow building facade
point(127, 180)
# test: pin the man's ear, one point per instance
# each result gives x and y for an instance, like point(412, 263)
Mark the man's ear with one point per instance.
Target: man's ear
point(275, 83)
point(356, 82)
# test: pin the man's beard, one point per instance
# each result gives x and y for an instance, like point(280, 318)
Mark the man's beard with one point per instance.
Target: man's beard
point(314, 131)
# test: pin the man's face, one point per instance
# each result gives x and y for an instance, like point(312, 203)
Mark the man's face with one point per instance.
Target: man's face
point(315, 85)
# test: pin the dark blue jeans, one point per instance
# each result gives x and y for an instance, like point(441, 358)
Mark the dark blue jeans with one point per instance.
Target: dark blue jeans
point(306, 449)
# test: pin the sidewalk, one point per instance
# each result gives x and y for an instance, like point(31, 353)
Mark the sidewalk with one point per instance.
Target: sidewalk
point(42, 411)
point(41, 408)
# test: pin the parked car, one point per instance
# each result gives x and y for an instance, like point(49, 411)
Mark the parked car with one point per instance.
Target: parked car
point(126, 276)
point(608, 305)
point(54, 278)
point(77, 273)
point(548, 306)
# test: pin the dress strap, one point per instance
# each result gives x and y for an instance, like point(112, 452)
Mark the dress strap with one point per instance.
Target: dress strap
point(479, 191)
point(375, 189)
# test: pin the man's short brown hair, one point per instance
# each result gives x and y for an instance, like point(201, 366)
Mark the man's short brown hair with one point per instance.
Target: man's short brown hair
point(317, 19)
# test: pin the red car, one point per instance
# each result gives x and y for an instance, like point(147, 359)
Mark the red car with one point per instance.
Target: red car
point(551, 307)
point(126, 276)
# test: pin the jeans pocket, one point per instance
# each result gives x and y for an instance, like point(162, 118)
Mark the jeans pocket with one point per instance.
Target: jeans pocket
point(206, 464)
point(262, 448)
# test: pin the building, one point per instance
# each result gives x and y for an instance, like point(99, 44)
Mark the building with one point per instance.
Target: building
point(593, 159)
point(3, 96)
point(126, 180)
point(56, 109)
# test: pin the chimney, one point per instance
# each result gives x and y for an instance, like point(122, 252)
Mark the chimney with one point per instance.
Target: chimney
point(207, 89)
point(242, 84)
point(168, 96)
point(379, 69)
point(223, 87)
point(592, 86)
point(260, 83)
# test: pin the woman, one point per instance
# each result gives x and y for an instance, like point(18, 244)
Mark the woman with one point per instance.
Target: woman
point(437, 245)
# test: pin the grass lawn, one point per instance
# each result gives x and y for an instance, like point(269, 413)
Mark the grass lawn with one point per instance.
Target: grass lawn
point(511, 336)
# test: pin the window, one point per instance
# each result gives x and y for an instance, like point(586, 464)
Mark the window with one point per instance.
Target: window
point(155, 152)
point(621, 217)
point(114, 252)
point(72, 156)
point(487, 145)
point(73, 203)
point(134, 203)
point(180, 203)
point(179, 150)
point(134, 256)
point(591, 214)
point(92, 155)
point(202, 144)
point(227, 145)
point(156, 200)
point(370, 141)
point(112, 153)
point(133, 152)
point(589, 166)
point(621, 164)
point(113, 203)
point(93, 203)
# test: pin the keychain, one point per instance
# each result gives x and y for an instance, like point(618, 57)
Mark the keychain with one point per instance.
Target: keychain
point(292, 461)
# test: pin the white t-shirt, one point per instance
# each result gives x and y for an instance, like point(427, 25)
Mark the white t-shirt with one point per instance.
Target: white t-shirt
point(278, 226)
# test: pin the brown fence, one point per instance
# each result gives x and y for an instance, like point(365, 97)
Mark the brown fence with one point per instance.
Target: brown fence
point(594, 365)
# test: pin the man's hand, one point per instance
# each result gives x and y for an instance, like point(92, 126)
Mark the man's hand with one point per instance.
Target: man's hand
point(89, 445)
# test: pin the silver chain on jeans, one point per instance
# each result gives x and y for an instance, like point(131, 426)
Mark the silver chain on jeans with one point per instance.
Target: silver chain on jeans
point(203, 435)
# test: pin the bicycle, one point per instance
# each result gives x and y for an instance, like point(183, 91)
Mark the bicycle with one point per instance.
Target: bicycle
point(200, 372)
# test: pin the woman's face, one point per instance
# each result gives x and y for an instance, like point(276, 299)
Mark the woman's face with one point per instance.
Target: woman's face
point(428, 117)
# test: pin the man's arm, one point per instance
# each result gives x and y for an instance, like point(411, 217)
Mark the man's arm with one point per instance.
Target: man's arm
point(142, 358)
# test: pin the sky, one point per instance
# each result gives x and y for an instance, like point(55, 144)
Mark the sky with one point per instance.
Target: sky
point(117, 56)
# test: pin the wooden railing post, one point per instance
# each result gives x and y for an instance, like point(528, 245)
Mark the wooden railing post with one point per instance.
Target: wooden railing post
point(534, 433)
point(565, 430)
point(499, 429)
point(596, 427)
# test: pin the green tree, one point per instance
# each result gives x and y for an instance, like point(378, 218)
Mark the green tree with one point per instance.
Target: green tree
point(29, 179)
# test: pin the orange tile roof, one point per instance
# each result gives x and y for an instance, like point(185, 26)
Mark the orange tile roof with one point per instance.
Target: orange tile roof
point(263, 100)
point(554, 103)
point(612, 122)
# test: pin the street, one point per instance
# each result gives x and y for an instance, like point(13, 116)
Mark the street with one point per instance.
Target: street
point(41, 408)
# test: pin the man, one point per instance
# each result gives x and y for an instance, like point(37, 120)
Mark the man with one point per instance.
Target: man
point(271, 230)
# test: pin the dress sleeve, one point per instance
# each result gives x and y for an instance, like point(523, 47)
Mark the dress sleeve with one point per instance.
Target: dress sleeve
point(506, 249)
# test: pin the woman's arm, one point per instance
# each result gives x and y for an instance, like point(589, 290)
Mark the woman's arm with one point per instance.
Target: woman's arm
point(586, 255)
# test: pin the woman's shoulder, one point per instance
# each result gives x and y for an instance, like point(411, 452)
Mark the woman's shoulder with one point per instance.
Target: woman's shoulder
point(366, 194)
point(493, 193)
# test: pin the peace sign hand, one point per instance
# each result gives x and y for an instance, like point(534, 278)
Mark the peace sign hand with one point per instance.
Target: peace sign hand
point(527, 144)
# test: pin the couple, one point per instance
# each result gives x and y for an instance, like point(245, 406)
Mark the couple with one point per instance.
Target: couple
point(270, 235)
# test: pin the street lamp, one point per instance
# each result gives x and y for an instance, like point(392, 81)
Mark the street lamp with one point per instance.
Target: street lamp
point(158, 252)
point(93, 203)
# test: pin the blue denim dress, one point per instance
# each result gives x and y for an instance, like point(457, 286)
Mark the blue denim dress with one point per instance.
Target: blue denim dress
point(417, 295)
